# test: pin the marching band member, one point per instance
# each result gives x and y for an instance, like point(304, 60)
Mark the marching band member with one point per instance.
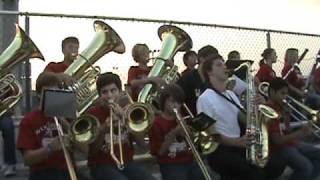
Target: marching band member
point(70, 50)
point(38, 139)
point(265, 72)
point(230, 157)
point(190, 60)
point(192, 83)
point(138, 75)
point(294, 77)
point(167, 139)
point(100, 162)
point(302, 158)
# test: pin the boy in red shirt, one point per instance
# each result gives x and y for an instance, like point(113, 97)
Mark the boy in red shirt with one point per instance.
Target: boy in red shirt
point(100, 162)
point(38, 139)
point(138, 75)
point(166, 139)
point(70, 50)
point(302, 158)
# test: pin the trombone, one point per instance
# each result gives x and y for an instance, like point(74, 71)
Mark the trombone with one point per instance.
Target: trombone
point(70, 166)
point(119, 162)
point(192, 146)
point(312, 116)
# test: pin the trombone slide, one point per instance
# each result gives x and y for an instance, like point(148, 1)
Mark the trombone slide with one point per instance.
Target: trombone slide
point(71, 170)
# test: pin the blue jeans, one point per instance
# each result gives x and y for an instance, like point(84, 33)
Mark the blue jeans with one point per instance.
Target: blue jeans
point(313, 100)
point(303, 159)
point(181, 171)
point(9, 146)
point(131, 171)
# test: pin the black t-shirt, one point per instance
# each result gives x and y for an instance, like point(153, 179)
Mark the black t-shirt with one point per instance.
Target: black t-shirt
point(241, 73)
point(193, 87)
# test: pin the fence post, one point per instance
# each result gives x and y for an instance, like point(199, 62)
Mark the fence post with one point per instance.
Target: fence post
point(27, 71)
point(268, 39)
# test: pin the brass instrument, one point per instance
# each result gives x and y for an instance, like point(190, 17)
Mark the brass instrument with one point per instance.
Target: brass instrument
point(188, 138)
point(85, 128)
point(312, 116)
point(140, 114)
point(256, 118)
point(119, 162)
point(66, 154)
point(207, 143)
point(21, 48)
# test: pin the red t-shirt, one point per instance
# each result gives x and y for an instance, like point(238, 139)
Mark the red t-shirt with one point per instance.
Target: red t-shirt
point(35, 132)
point(103, 157)
point(275, 128)
point(265, 73)
point(56, 67)
point(135, 72)
point(293, 77)
point(178, 151)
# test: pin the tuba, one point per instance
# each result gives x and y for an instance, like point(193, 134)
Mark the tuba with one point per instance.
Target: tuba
point(257, 118)
point(140, 114)
point(85, 128)
point(21, 47)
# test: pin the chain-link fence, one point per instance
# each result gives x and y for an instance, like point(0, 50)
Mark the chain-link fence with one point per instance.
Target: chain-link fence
point(48, 30)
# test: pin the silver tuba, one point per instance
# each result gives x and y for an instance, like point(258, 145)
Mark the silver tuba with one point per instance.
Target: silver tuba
point(85, 128)
point(140, 114)
point(21, 47)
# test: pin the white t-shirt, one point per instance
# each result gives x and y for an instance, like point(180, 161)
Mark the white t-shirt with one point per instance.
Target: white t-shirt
point(224, 112)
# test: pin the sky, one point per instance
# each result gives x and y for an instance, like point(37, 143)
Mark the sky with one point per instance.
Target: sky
point(47, 33)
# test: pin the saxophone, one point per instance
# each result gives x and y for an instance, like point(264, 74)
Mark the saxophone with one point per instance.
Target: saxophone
point(140, 114)
point(257, 118)
point(85, 128)
point(21, 48)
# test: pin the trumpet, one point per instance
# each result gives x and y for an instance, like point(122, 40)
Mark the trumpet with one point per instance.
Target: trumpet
point(192, 146)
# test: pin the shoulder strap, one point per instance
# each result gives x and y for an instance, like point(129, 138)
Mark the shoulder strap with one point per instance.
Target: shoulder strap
point(230, 100)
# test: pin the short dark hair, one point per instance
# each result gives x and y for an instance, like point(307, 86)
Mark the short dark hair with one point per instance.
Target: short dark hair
point(233, 54)
point(136, 50)
point(186, 55)
point(70, 39)
point(276, 84)
point(107, 79)
point(207, 65)
point(171, 90)
point(206, 51)
point(47, 79)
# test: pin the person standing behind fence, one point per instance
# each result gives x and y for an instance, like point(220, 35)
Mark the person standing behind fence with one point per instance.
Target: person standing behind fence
point(190, 60)
point(70, 50)
point(9, 145)
point(138, 75)
point(265, 72)
point(292, 74)
point(192, 83)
